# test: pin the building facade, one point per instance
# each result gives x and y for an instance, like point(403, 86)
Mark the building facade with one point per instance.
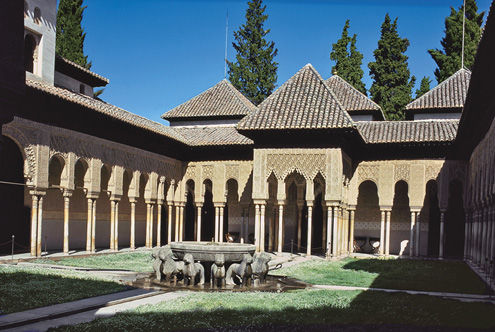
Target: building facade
point(314, 168)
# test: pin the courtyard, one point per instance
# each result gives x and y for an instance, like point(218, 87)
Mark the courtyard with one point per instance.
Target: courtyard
point(364, 291)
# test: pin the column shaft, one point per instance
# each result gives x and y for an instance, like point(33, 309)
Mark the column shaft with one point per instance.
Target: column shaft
point(93, 228)
point(34, 224)
point(411, 234)
point(133, 225)
point(382, 233)
point(39, 226)
point(112, 224)
point(221, 235)
point(116, 225)
point(387, 240)
point(334, 231)
point(351, 235)
point(150, 241)
point(177, 222)
point(169, 223)
point(442, 227)
point(198, 223)
point(88, 224)
point(257, 227)
point(280, 240)
point(299, 226)
point(328, 246)
point(418, 235)
point(271, 221)
point(310, 229)
point(262, 227)
point(159, 225)
point(66, 224)
point(323, 231)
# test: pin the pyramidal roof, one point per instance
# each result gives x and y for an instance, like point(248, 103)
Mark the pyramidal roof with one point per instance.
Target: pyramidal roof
point(221, 100)
point(351, 98)
point(449, 94)
point(303, 102)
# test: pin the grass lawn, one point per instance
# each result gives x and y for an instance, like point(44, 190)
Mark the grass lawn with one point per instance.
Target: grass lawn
point(135, 261)
point(440, 276)
point(24, 288)
point(244, 310)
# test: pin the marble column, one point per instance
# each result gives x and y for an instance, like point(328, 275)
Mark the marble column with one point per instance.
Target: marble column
point(93, 228)
point(177, 221)
point(271, 235)
point(66, 194)
point(310, 227)
point(133, 223)
point(442, 228)
point(335, 211)
point(112, 225)
point(324, 230)
point(418, 235)
point(89, 224)
point(221, 235)
point(34, 224)
point(262, 227)
point(39, 226)
point(217, 223)
point(411, 233)
point(198, 222)
point(352, 213)
point(257, 227)
point(387, 238)
point(116, 225)
point(382, 233)
point(159, 224)
point(280, 241)
point(328, 244)
point(170, 208)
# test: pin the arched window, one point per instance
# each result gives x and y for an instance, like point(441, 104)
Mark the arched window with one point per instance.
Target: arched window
point(26, 7)
point(37, 15)
point(29, 47)
point(81, 88)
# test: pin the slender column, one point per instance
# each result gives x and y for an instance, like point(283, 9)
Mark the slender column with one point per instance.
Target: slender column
point(334, 230)
point(411, 234)
point(310, 227)
point(159, 224)
point(280, 240)
point(275, 222)
point(89, 224)
point(177, 221)
point(217, 223)
point(323, 231)
point(66, 195)
point(222, 235)
point(34, 224)
point(147, 227)
point(382, 233)
point(339, 231)
point(116, 225)
point(352, 213)
point(39, 226)
point(442, 227)
point(133, 223)
point(262, 227)
point(466, 235)
point(181, 220)
point(257, 227)
point(246, 224)
point(387, 239)
point(474, 233)
point(418, 235)
point(328, 244)
point(152, 208)
point(271, 221)
point(169, 221)
point(300, 205)
point(198, 223)
point(112, 225)
point(346, 231)
point(93, 228)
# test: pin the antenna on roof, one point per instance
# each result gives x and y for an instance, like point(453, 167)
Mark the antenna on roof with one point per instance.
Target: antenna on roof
point(226, 40)
point(463, 32)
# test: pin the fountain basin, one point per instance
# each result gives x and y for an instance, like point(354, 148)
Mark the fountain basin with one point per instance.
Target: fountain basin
point(206, 251)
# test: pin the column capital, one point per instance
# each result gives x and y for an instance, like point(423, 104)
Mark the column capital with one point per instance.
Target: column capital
point(159, 201)
point(150, 201)
point(332, 203)
point(219, 204)
point(115, 198)
point(92, 194)
point(281, 202)
point(67, 193)
point(259, 201)
point(309, 203)
point(415, 209)
point(133, 199)
point(199, 204)
point(37, 192)
point(385, 208)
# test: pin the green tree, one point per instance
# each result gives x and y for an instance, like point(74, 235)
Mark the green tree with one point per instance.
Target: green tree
point(448, 60)
point(348, 59)
point(392, 84)
point(70, 35)
point(254, 72)
point(424, 87)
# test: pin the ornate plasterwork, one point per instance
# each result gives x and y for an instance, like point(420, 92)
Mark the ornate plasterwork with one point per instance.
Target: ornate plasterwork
point(190, 173)
point(368, 172)
point(232, 172)
point(402, 172)
point(431, 172)
point(25, 139)
point(207, 172)
point(307, 164)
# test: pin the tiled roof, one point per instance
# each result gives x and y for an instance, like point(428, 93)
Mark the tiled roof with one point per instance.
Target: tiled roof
point(100, 78)
point(107, 109)
point(303, 102)
point(221, 100)
point(351, 98)
point(449, 94)
point(375, 132)
point(212, 135)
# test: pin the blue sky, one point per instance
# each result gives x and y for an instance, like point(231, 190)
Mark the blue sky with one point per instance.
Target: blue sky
point(158, 54)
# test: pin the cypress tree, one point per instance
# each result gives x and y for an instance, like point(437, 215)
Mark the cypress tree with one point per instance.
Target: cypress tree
point(70, 35)
point(254, 72)
point(392, 84)
point(448, 60)
point(348, 59)
point(424, 87)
